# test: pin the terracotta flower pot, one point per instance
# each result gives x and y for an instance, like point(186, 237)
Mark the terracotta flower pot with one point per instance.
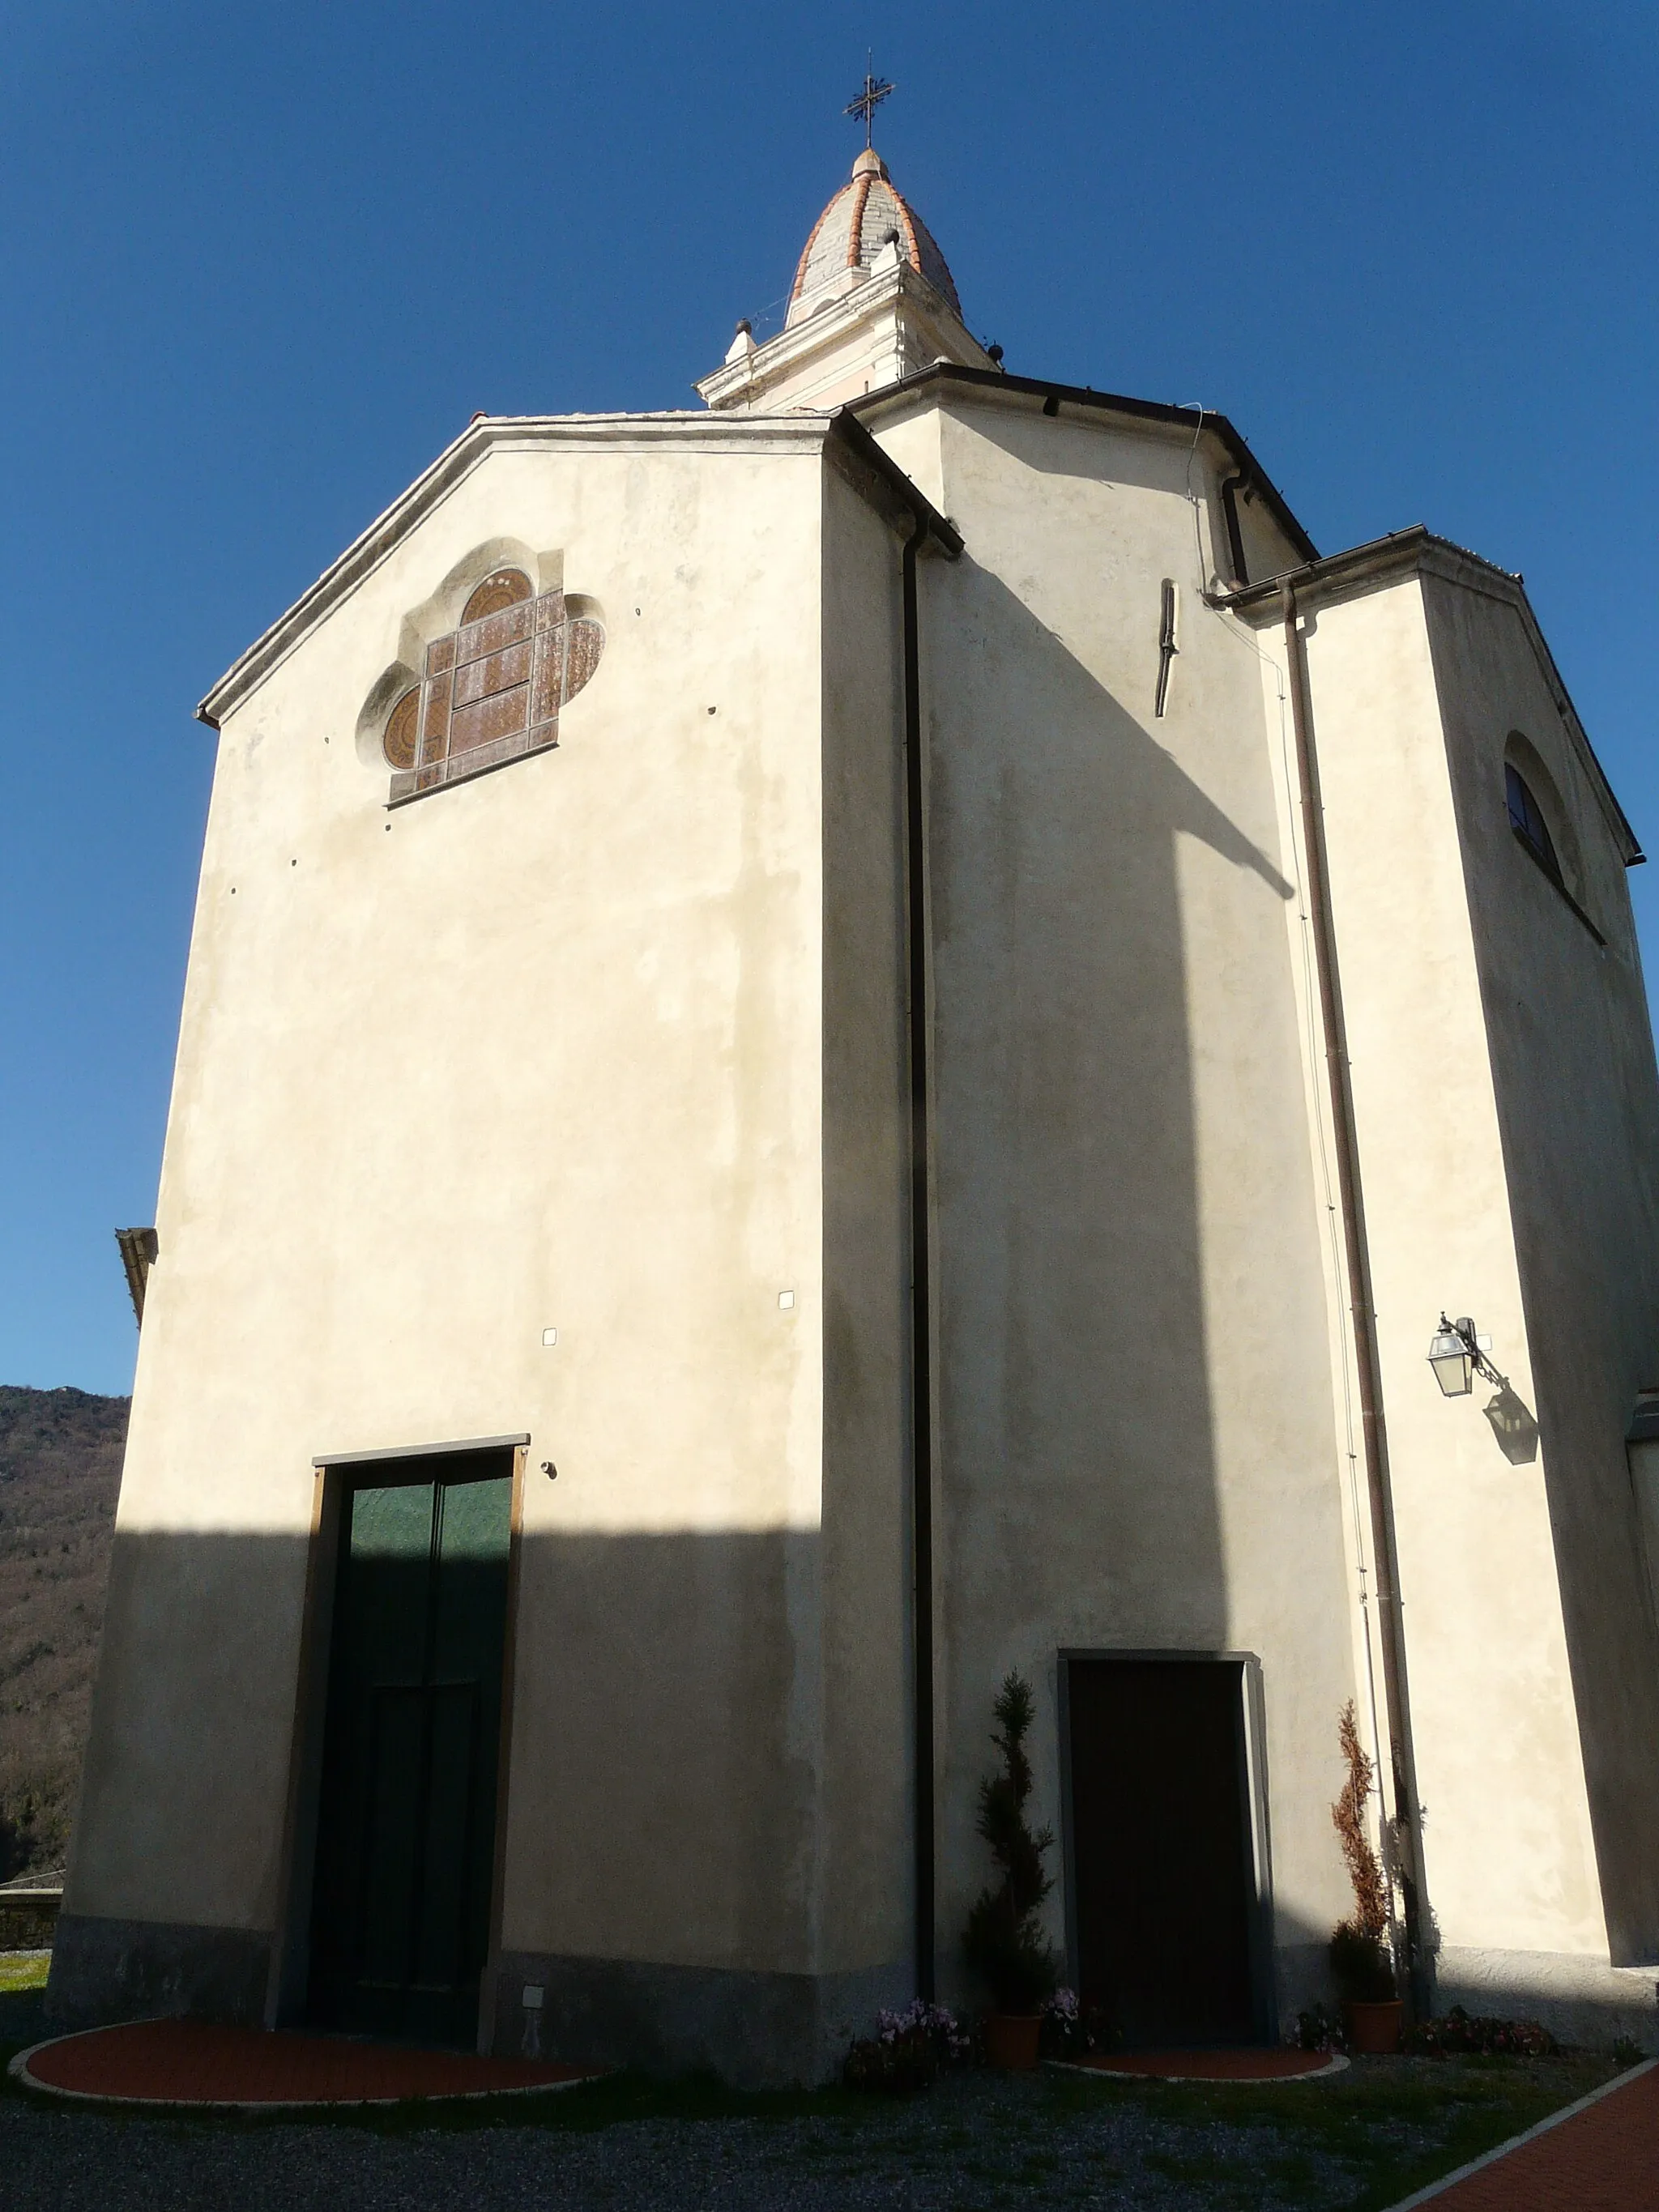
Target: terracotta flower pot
point(1011, 2040)
point(1374, 2029)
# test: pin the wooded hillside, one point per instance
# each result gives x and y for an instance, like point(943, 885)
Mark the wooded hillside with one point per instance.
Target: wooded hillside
point(60, 1467)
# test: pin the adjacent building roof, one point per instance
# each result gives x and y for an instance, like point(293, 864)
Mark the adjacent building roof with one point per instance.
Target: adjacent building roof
point(1361, 566)
point(996, 382)
point(866, 214)
point(1356, 569)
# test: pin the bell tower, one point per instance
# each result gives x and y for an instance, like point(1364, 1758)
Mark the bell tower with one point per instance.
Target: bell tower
point(873, 300)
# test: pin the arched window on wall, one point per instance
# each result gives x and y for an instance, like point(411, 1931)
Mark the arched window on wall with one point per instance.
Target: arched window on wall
point(1532, 831)
point(491, 689)
point(1527, 820)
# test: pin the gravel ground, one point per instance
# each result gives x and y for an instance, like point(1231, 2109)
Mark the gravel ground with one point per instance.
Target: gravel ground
point(974, 2141)
point(966, 2145)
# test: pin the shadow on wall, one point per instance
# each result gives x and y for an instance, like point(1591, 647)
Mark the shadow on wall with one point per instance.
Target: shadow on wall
point(676, 1874)
point(1080, 1493)
point(667, 1876)
point(1514, 1426)
point(670, 1817)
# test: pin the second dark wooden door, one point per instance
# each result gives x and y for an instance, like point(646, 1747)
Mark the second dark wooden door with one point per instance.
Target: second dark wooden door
point(1162, 1861)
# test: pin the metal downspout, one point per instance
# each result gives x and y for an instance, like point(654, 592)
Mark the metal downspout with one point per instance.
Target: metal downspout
point(1230, 488)
point(1406, 1822)
point(921, 1370)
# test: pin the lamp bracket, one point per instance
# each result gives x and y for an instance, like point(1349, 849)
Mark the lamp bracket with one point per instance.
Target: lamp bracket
point(1464, 1326)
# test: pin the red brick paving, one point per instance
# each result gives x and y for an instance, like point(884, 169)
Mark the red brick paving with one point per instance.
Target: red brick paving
point(1231, 2065)
point(195, 2062)
point(1603, 2158)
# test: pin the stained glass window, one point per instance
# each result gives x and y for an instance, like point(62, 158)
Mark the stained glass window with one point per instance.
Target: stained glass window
point(401, 728)
point(504, 588)
point(492, 688)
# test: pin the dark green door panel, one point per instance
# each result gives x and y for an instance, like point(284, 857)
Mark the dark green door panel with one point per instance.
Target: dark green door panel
point(406, 1828)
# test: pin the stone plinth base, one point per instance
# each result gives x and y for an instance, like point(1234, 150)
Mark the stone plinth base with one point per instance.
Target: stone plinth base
point(114, 1970)
point(755, 2030)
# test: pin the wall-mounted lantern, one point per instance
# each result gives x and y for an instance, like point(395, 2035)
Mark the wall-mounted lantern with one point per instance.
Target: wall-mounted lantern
point(1451, 1355)
point(1456, 1355)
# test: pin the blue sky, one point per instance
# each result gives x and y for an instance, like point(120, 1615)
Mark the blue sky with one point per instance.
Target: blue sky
point(260, 264)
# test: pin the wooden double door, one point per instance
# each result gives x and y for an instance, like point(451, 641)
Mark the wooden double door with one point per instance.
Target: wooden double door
point(406, 1819)
point(1168, 1904)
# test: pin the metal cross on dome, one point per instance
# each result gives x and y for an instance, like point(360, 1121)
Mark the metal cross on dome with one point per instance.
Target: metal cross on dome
point(876, 89)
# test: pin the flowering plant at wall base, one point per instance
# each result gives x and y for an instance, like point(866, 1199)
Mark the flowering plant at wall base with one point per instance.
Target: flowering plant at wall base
point(898, 2068)
point(906, 2050)
point(1317, 2029)
point(1069, 2032)
point(1461, 2034)
point(1003, 1941)
point(1362, 1960)
point(935, 2023)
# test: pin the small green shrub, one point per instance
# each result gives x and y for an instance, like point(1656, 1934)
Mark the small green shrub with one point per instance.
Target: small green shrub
point(1003, 1941)
point(1362, 1969)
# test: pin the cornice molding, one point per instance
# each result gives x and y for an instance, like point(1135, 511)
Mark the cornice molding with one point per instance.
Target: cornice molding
point(899, 293)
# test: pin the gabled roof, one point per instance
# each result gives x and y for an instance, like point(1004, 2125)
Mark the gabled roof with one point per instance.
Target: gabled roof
point(878, 477)
point(1343, 575)
point(995, 382)
point(1333, 575)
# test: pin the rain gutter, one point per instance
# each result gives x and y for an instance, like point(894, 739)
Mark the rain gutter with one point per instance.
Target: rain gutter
point(1402, 1777)
point(927, 527)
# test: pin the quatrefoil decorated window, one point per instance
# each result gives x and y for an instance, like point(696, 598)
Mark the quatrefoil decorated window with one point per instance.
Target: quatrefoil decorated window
point(491, 689)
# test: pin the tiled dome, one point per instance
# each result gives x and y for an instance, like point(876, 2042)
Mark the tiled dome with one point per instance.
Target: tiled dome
point(865, 214)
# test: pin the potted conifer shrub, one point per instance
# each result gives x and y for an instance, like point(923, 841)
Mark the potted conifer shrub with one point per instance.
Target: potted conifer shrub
point(1362, 1958)
point(1003, 1941)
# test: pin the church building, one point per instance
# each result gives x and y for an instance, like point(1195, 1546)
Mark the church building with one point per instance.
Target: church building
point(836, 1045)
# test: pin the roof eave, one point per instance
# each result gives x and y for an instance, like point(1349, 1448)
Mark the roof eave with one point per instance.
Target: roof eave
point(1419, 549)
point(898, 495)
point(998, 382)
point(363, 554)
point(799, 432)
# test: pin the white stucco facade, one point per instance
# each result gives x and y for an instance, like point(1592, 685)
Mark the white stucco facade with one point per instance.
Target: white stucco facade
point(569, 1108)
